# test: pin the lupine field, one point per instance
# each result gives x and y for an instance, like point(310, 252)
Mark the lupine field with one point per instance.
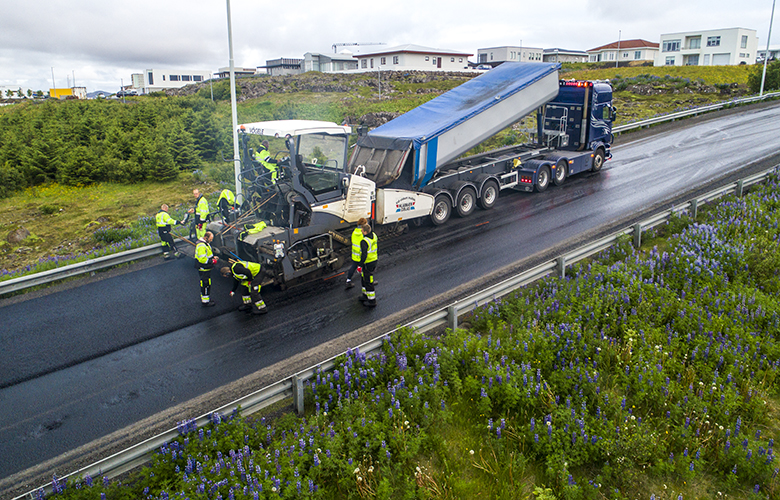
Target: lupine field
point(647, 374)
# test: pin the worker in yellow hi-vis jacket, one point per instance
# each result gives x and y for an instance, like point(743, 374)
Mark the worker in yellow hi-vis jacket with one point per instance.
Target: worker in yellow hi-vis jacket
point(248, 275)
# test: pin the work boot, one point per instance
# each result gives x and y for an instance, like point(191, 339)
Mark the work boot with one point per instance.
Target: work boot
point(167, 256)
point(363, 298)
point(260, 311)
point(369, 303)
point(244, 307)
point(349, 285)
point(178, 255)
point(210, 303)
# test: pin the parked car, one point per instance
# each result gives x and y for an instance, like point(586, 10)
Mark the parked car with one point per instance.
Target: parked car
point(126, 93)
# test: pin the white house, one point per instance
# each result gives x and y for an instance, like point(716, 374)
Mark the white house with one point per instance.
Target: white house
point(154, 80)
point(328, 63)
point(724, 47)
point(564, 55)
point(413, 57)
point(224, 72)
point(494, 56)
point(624, 51)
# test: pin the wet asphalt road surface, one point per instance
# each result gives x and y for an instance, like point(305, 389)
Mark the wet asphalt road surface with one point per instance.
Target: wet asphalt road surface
point(80, 363)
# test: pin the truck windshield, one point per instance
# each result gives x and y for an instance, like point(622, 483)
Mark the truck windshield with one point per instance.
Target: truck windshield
point(325, 151)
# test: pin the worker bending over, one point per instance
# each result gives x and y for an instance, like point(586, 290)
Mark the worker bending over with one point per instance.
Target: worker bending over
point(367, 265)
point(357, 237)
point(164, 223)
point(206, 260)
point(226, 203)
point(250, 276)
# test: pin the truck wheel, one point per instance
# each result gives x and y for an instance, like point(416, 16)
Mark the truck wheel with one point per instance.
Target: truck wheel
point(598, 160)
point(543, 178)
point(442, 208)
point(489, 195)
point(561, 172)
point(467, 201)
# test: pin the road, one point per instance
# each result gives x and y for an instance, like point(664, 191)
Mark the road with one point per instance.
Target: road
point(88, 368)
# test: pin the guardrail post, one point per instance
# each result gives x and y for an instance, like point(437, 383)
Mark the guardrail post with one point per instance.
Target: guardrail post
point(739, 188)
point(694, 208)
point(637, 235)
point(561, 261)
point(452, 317)
point(297, 388)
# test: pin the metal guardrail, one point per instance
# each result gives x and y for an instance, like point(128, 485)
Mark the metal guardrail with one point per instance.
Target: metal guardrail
point(88, 266)
point(691, 112)
point(53, 275)
point(448, 316)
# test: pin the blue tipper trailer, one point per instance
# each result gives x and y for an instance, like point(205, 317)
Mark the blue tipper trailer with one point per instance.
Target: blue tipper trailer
point(418, 151)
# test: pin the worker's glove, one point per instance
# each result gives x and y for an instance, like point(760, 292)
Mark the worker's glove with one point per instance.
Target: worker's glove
point(232, 293)
point(214, 260)
point(360, 269)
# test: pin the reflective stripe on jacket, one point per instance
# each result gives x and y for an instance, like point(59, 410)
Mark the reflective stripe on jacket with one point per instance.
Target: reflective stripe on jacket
point(370, 254)
point(228, 195)
point(245, 271)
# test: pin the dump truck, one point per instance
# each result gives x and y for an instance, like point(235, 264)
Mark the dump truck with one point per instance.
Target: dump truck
point(410, 169)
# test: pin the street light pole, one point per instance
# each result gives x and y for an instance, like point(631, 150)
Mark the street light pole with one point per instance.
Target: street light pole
point(236, 157)
point(766, 55)
point(617, 56)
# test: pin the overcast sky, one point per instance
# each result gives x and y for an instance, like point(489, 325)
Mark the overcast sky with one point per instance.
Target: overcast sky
point(102, 42)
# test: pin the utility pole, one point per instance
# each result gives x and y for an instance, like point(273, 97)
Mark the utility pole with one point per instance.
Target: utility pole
point(53, 85)
point(211, 84)
point(236, 157)
point(617, 56)
point(766, 56)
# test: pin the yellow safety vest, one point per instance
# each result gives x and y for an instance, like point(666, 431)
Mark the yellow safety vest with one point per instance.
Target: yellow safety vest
point(357, 237)
point(203, 253)
point(202, 208)
point(253, 268)
point(165, 220)
point(372, 248)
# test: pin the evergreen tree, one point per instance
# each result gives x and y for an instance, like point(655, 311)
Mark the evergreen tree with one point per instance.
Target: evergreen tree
point(162, 167)
point(206, 135)
point(182, 147)
point(772, 81)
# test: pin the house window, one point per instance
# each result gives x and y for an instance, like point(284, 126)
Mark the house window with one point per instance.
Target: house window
point(611, 56)
point(491, 56)
point(692, 60)
point(713, 41)
point(174, 78)
point(637, 54)
point(197, 78)
point(625, 55)
point(434, 61)
point(163, 77)
point(151, 78)
point(743, 44)
point(186, 78)
point(460, 59)
point(427, 58)
point(694, 43)
point(452, 59)
point(395, 59)
point(363, 63)
point(372, 62)
point(670, 60)
point(382, 61)
point(671, 46)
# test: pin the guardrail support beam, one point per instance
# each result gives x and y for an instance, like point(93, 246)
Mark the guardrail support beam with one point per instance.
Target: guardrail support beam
point(637, 235)
point(452, 317)
point(297, 388)
point(739, 188)
point(561, 262)
point(694, 208)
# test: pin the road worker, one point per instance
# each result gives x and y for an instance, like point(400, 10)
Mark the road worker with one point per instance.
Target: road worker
point(263, 157)
point(164, 223)
point(201, 212)
point(357, 237)
point(367, 265)
point(249, 275)
point(226, 203)
point(206, 260)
